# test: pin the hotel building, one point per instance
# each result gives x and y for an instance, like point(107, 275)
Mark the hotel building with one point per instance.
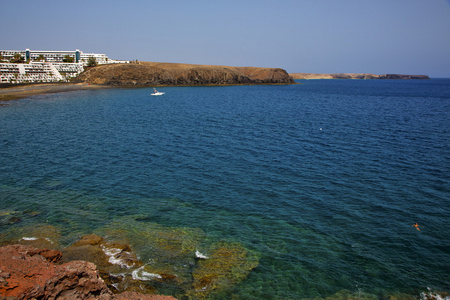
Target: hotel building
point(56, 56)
point(46, 66)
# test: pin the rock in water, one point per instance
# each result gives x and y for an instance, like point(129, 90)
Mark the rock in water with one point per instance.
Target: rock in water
point(30, 273)
point(27, 273)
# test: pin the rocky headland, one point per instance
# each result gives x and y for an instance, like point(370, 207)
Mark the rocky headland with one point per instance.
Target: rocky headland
point(150, 74)
point(157, 74)
point(355, 76)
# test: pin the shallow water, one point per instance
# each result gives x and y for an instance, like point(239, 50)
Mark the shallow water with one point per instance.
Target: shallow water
point(321, 181)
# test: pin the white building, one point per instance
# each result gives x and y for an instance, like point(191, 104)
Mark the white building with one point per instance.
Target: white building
point(76, 56)
point(101, 59)
point(38, 72)
point(46, 66)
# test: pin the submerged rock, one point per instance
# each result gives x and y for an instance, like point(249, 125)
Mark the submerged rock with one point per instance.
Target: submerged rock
point(8, 217)
point(39, 236)
point(167, 251)
point(117, 263)
point(13, 220)
point(104, 254)
point(177, 259)
point(227, 265)
point(113, 261)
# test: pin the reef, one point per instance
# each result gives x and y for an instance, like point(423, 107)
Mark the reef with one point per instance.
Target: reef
point(228, 264)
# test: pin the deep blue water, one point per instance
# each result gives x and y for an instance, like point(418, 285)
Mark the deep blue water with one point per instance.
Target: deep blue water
point(322, 181)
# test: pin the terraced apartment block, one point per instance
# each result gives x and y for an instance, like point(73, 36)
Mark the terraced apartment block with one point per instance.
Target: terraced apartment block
point(21, 66)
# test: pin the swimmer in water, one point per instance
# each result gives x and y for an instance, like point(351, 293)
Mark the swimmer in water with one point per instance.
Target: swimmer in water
point(416, 225)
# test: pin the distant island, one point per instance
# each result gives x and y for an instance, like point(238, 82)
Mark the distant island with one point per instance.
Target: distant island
point(355, 76)
point(176, 74)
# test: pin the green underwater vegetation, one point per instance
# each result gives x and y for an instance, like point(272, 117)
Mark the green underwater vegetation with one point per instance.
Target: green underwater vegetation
point(173, 261)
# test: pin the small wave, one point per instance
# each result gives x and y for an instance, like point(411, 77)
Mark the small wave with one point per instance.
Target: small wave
point(113, 256)
point(140, 274)
point(430, 295)
point(200, 255)
point(25, 238)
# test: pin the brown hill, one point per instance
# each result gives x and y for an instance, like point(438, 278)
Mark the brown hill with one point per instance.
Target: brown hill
point(153, 74)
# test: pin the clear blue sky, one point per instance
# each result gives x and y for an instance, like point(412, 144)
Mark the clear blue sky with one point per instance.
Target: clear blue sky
point(315, 36)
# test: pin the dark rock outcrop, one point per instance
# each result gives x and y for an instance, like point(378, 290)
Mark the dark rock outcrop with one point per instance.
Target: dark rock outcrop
point(355, 76)
point(400, 76)
point(154, 74)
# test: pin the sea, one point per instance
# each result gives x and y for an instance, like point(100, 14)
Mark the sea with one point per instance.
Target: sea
point(320, 182)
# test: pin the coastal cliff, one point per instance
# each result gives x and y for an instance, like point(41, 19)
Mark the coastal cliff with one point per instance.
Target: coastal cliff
point(355, 76)
point(154, 74)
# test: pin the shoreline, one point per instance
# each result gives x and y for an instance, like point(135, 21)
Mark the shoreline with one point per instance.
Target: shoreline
point(23, 91)
point(33, 89)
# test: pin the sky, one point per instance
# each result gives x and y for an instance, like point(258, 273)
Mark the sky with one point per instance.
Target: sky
point(309, 36)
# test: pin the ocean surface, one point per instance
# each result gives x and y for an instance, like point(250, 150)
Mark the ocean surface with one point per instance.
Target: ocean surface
point(321, 181)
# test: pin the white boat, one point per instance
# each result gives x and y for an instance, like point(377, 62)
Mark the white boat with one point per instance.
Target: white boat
point(156, 93)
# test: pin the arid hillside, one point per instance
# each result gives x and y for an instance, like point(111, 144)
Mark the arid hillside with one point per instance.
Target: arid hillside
point(154, 74)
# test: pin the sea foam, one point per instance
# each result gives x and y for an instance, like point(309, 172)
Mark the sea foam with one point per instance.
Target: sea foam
point(200, 255)
point(140, 274)
point(113, 258)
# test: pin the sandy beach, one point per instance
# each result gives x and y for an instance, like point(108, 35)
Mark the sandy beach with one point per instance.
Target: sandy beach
point(17, 92)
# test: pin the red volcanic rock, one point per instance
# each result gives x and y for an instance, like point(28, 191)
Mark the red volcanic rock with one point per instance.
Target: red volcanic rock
point(26, 273)
point(30, 273)
point(50, 255)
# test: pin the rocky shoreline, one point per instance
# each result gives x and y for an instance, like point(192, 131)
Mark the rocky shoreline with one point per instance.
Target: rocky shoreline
point(35, 265)
point(151, 74)
point(148, 74)
point(27, 272)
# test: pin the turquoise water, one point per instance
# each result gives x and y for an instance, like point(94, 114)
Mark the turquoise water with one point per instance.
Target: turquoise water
point(321, 181)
